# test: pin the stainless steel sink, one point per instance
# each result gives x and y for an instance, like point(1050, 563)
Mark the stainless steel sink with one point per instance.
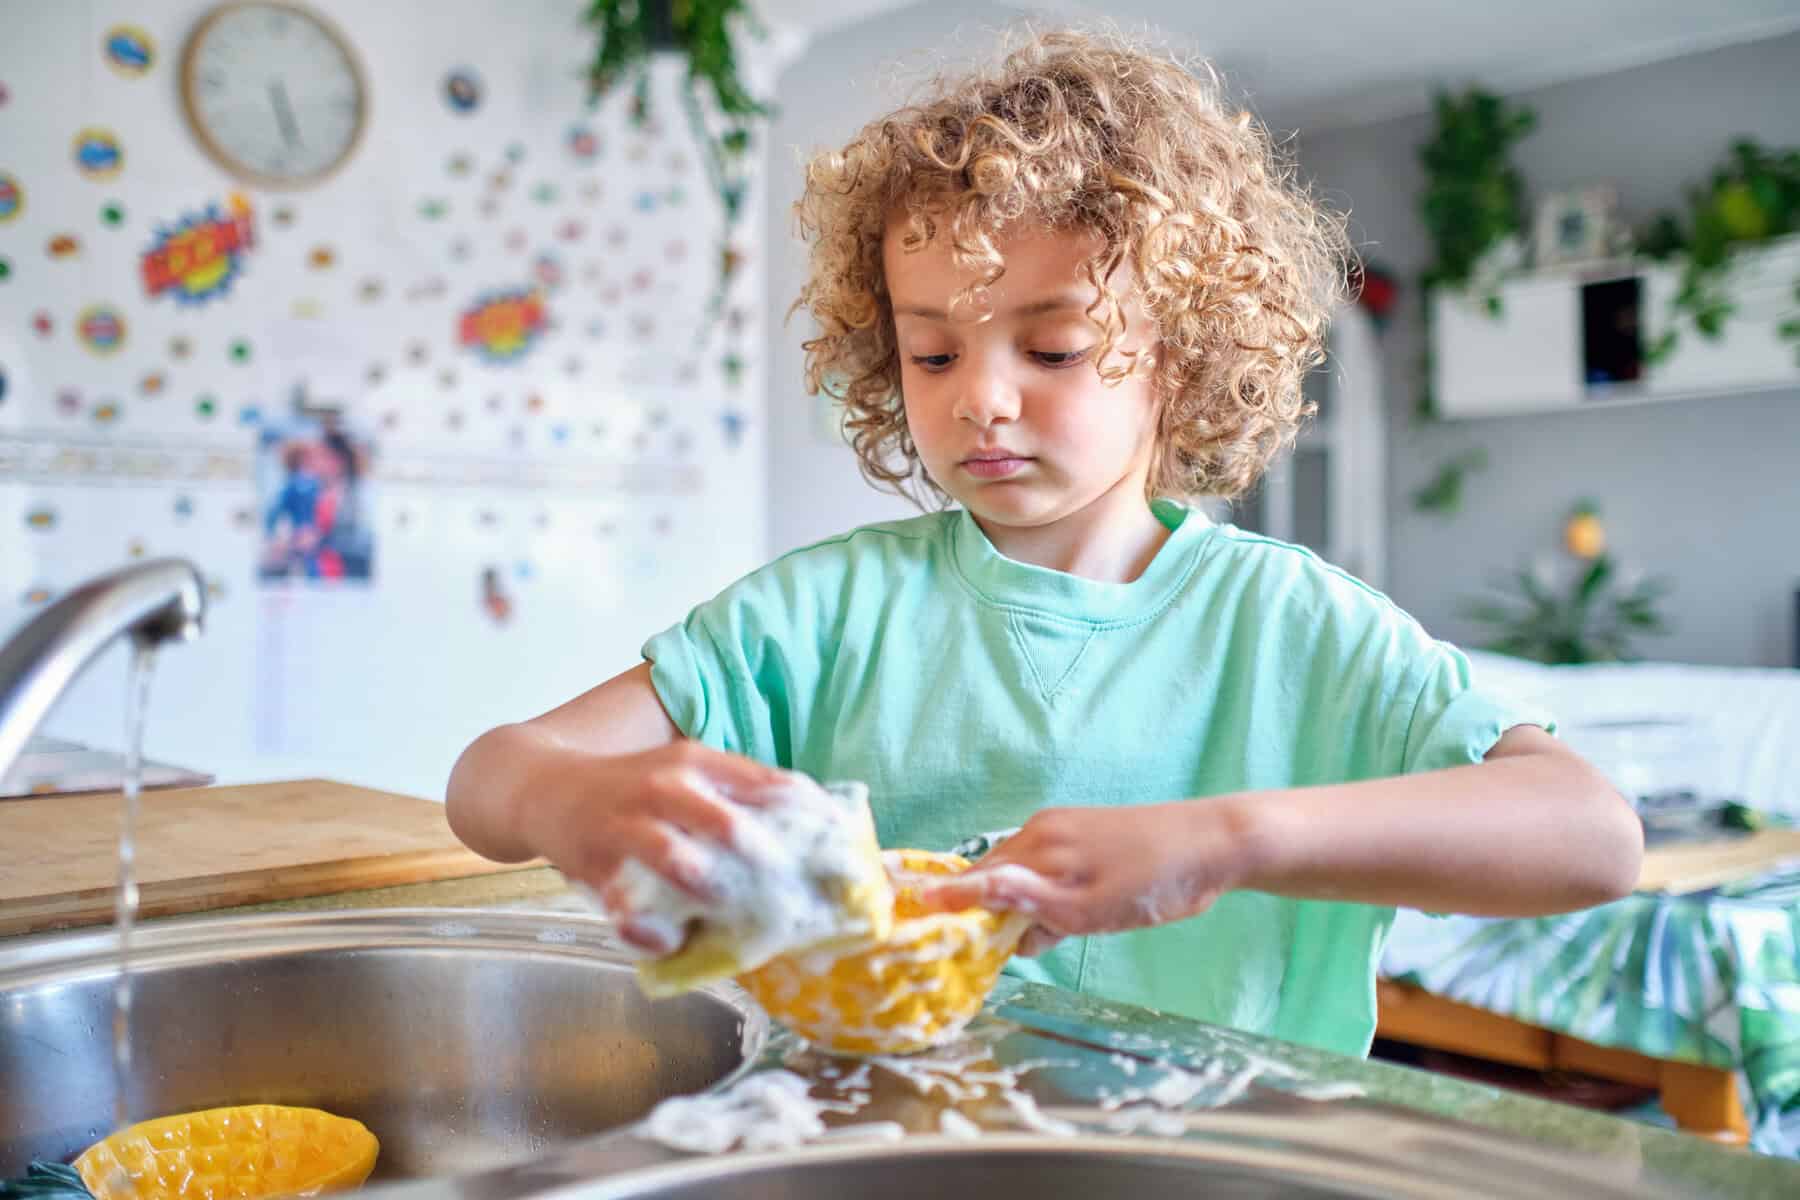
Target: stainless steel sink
point(1255, 1160)
point(464, 1040)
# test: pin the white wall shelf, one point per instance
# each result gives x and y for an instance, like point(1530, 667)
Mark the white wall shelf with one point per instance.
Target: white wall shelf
point(1575, 340)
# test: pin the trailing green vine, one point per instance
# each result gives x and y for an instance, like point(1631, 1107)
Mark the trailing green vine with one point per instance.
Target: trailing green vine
point(1474, 200)
point(629, 32)
point(1754, 196)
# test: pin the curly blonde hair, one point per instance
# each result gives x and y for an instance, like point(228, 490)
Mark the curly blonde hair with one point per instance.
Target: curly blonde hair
point(1233, 260)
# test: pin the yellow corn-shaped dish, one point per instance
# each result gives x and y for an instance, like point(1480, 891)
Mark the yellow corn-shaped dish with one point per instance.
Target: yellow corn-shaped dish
point(240, 1153)
point(914, 989)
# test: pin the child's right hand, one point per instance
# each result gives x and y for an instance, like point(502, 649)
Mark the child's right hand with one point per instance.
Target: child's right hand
point(673, 809)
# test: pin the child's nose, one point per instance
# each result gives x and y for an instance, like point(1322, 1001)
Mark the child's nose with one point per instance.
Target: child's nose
point(987, 395)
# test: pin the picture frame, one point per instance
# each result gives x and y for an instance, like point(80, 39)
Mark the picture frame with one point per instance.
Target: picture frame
point(1576, 225)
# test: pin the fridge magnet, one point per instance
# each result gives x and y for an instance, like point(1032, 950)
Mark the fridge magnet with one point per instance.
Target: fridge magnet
point(112, 214)
point(370, 290)
point(733, 366)
point(494, 600)
point(129, 51)
point(135, 548)
point(196, 258)
point(321, 258)
point(306, 308)
point(515, 152)
point(206, 407)
point(544, 193)
point(42, 324)
point(460, 165)
point(68, 402)
point(239, 351)
point(583, 143)
point(282, 217)
point(534, 403)
point(311, 486)
point(184, 507)
point(215, 589)
point(559, 434)
point(180, 348)
point(36, 596)
point(572, 230)
point(501, 326)
point(42, 520)
point(12, 198)
point(152, 384)
point(98, 154)
point(63, 245)
point(250, 415)
point(646, 201)
point(106, 412)
point(5, 268)
point(434, 208)
point(100, 329)
point(462, 90)
point(500, 180)
point(418, 353)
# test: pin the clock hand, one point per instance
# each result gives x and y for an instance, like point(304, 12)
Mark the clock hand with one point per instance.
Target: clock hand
point(284, 113)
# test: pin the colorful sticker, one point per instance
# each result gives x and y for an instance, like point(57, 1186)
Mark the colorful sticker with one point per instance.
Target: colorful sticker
point(544, 193)
point(106, 412)
point(239, 350)
point(152, 384)
point(129, 50)
point(12, 197)
point(283, 217)
point(206, 407)
point(42, 324)
point(38, 595)
point(135, 548)
point(460, 165)
point(502, 325)
point(63, 245)
point(184, 507)
point(583, 143)
point(112, 214)
point(68, 402)
point(41, 519)
point(249, 414)
point(101, 328)
point(462, 90)
point(197, 258)
point(322, 258)
point(734, 369)
point(494, 600)
point(98, 154)
point(548, 271)
point(306, 308)
point(515, 152)
point(180, 347)
point(572, 230)
point(5, 269)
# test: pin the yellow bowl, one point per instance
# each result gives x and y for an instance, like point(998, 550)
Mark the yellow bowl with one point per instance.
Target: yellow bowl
point(240, 1153)
point(914, 989)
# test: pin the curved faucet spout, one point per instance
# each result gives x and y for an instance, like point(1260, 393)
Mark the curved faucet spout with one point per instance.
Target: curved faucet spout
point(153, 602)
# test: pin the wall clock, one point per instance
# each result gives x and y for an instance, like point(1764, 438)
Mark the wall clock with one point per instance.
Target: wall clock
point(273, 92)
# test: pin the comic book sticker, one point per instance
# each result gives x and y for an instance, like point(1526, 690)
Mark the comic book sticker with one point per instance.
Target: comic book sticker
point(129, 50)
point(98, 154)
point(197, 258)
point(101, 328)
point(502, 326)
point(12, 198)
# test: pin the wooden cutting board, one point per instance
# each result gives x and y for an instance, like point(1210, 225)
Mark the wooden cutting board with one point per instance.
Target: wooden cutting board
point(214, 847)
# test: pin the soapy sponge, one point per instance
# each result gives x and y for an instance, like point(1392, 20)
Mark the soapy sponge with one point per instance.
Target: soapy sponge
point(806, 874)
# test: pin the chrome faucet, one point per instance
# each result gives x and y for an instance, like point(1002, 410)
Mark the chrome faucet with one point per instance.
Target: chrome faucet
point(153, 602)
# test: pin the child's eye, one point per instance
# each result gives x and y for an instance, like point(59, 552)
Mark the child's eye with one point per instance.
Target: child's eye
point(932, 362)
point(1059, 358)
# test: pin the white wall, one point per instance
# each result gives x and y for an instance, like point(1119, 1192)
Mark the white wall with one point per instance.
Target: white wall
point(612, 505)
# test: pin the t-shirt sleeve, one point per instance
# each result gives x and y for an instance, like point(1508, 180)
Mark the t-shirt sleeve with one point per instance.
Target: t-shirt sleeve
point(1453, 723)
point(723, 672)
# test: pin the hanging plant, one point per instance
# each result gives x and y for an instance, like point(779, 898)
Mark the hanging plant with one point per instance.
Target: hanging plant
point(1753, 197)
point(630, 33)
point(1443, 493)
point(1473, 204)
point(1592, 618)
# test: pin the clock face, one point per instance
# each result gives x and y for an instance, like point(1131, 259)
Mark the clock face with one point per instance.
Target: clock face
point(273, 92)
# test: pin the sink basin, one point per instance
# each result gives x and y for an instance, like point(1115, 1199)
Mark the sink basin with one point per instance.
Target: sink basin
point(464, 1040)
point(1255, 1158)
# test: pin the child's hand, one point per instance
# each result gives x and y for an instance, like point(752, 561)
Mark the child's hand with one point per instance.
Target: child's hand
point(1104, 870)
point(673, 809)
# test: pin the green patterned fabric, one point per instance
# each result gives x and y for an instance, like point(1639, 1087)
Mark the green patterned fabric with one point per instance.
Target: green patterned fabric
point(1709, 978)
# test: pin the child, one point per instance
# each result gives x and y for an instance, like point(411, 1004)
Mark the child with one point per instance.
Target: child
point(1068, 297)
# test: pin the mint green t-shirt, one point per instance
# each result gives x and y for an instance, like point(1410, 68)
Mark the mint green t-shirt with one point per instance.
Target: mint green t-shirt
point(969, 690)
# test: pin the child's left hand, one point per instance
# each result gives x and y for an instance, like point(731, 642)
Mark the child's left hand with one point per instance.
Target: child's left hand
point(1104, 870)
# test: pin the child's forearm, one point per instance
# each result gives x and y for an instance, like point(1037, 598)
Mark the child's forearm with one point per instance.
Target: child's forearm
point(1533, 830)
point(489, 786)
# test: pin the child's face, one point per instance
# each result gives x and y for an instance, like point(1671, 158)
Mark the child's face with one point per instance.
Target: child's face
point(1009, 415)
